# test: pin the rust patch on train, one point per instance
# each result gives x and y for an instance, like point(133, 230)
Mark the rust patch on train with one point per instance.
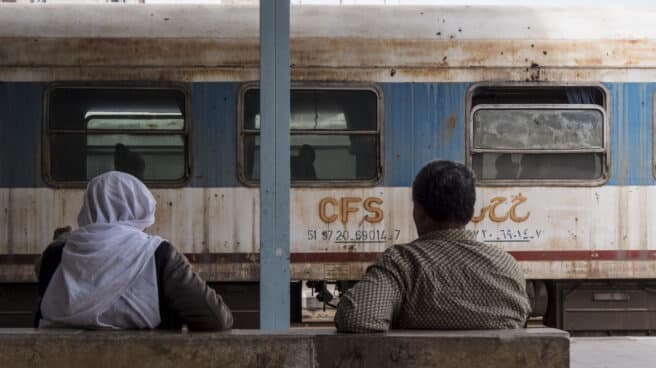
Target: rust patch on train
point(468, 53)
point(449, 127)
point(533, 73)
point(326, 52)
point(316, 74)
point(130, 52)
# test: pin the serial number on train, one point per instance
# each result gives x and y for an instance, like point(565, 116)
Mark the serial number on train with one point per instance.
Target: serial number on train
point(509, 235)
point(345, 236)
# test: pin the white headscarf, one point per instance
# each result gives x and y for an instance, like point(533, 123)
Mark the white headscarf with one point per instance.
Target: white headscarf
point(107, 276)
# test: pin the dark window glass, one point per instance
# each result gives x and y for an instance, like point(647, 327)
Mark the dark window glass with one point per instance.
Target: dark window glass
point(538, 95)
point(546, 166)
point(139, 131)
point(321, 157)
point(335, 135)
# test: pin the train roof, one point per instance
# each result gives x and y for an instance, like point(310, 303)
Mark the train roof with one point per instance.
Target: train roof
point(504, 22)
point(329, 43)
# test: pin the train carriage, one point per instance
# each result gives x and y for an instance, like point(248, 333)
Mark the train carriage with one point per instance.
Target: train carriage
point(552, 107)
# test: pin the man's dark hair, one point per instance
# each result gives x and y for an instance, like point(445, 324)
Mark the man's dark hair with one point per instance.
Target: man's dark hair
point(447, 191)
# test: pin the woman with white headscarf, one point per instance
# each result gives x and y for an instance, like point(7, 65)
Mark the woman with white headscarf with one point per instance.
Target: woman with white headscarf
point(109, 274)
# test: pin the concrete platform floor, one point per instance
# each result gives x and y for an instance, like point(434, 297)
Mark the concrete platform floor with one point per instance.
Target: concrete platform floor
point(612, 352)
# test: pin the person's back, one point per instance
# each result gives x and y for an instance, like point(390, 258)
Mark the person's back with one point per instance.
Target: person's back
point(444, 279)
point(109, 274)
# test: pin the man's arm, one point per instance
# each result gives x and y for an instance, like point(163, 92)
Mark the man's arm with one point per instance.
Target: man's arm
point(373, 303)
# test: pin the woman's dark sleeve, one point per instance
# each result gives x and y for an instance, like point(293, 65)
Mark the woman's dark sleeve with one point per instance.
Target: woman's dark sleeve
point(185, 298)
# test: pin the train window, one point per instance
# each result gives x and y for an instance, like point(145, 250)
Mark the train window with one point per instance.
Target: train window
point(335, 136)
point(141, 131)
point(538, 134)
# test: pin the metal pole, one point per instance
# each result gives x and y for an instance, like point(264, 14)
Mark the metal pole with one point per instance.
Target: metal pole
point(274, 165)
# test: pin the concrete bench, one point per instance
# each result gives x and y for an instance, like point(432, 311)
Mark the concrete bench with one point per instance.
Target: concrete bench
point(319, 348)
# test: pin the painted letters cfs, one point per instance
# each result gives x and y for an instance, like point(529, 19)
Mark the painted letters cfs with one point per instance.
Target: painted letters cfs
point(333, 209)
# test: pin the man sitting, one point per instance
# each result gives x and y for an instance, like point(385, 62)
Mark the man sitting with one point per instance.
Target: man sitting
point(444, 279)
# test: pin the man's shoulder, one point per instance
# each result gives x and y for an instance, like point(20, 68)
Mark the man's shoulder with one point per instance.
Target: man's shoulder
point(492, 249)
point(422, 248)
point(397, 250)
point(494, 256)
point(405, 255)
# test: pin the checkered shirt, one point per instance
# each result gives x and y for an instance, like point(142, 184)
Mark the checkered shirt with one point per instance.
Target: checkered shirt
point(443, 280)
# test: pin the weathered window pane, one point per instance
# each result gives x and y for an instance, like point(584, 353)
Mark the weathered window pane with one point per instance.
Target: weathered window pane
point(80, 149)
point(321, 110)
point(553, 129)
point(544, 166)
point(322, 157)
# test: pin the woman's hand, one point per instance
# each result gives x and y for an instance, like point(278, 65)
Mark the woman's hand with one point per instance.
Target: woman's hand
point(61, 231)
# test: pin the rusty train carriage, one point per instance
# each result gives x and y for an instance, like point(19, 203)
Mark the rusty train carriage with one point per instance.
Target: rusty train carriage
point(589, 240)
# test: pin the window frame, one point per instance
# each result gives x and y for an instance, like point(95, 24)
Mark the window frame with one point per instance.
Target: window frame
point(606, 137)
point(369, 87)
point(186, 132)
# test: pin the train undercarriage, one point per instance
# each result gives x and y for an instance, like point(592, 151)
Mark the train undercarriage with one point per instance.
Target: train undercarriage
point(582, 307)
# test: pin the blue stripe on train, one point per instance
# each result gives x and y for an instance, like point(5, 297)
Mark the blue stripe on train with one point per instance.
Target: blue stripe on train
point(631, 106)
point(423, 122)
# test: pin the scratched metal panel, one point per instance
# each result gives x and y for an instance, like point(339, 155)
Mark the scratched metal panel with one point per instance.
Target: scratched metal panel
point(589, 269)
point(425, 140)
point(424, 122)
point(222, 220)
point(398, 132)
point(451, 121)
point(194, 220)
point(20, 134)
point(31, 215)
point(225, 220)
point(631, 126)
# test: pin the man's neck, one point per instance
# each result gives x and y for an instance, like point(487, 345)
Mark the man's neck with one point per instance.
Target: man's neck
point(438, 226)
